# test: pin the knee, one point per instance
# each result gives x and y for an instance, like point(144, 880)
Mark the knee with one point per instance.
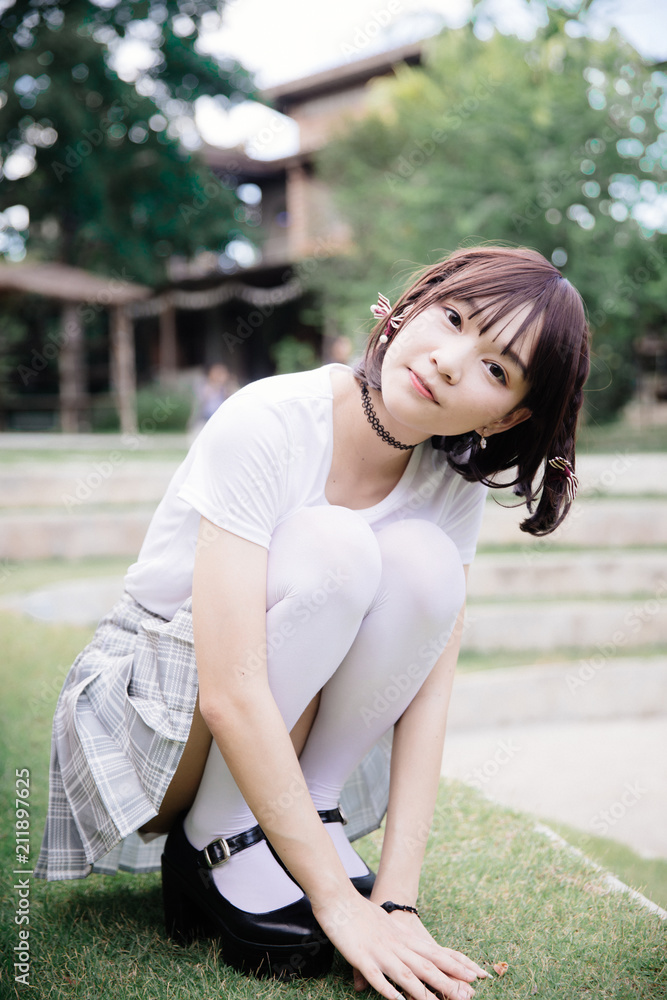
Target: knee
point(424, 564)
point(330, 551)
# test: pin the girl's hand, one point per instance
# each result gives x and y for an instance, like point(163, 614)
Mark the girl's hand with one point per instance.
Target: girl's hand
point(384, 951)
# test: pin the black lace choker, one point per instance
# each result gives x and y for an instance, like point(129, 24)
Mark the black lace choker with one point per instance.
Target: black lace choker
point(372, 418)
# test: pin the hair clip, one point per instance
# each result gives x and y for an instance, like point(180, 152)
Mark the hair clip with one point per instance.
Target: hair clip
point(383, 307)
point(382, 310)
point(563, 466)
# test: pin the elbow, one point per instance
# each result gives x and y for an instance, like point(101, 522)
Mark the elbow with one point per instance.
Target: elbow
point(224, 710)
point(213, 712)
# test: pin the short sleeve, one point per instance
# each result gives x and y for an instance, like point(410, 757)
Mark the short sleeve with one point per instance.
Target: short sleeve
point(462, 515)
point(238, 473)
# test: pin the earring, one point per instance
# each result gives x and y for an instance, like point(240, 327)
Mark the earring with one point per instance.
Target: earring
point(482, 439)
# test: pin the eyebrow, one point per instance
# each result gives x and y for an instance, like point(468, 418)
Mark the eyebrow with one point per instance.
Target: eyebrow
point(507, 351)
point(513, 356)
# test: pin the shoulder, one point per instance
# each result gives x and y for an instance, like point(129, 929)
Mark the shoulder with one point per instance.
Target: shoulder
point(278, 390)
point(270, 412)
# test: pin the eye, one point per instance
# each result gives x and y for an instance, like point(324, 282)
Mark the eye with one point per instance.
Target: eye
point(453, 317)
point(498, 372)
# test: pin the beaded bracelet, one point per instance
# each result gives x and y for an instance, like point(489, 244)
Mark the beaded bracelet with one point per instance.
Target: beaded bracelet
point(390, 907)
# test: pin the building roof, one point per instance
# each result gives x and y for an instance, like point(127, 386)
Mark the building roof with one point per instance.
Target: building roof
point(70, 284)
point(236, 161)
point(286, 95)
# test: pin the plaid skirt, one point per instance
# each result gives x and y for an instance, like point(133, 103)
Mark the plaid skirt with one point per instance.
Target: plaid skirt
point(120, 727)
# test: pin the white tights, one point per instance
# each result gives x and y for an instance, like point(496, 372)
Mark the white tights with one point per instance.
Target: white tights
point(361, 617)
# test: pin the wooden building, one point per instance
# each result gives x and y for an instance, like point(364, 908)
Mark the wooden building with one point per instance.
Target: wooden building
point(213, 311)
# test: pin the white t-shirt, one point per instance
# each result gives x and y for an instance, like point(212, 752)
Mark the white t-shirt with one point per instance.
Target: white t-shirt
point(263, 455)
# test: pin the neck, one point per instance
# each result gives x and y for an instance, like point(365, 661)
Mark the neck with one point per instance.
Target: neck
point(361, 439)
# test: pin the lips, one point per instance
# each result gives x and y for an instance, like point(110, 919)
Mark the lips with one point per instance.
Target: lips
point(421, 386)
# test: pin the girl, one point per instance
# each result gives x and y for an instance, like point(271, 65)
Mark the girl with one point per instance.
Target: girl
point(294, 603)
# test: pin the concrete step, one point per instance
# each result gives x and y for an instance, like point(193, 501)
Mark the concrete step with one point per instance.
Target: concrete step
point(146, 440)
point(88, 529)
point(612, 688)
point(593, 523)
point(610, 573)
point(111, 531)
point(611, 626)
point(115, 475)
point(73, 486)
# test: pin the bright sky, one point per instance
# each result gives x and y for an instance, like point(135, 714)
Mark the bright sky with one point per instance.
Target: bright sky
point(291, 38)
point(281, 40)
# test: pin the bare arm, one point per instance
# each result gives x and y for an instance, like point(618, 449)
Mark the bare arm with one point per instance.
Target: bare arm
point(229, 617)
point(416, 761)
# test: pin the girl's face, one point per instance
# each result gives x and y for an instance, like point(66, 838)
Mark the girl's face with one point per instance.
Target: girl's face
point(440, 376)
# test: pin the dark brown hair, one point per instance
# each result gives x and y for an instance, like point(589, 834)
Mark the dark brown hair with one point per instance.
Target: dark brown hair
point(507, 279)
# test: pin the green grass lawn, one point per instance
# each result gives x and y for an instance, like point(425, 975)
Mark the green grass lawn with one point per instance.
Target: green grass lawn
point(19, 577)
point(491, 887)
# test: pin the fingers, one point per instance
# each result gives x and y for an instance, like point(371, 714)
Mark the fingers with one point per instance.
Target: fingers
point(467, 963)
point(415, 976)
point(412, 986)
point(360, 982)
point(454, 963)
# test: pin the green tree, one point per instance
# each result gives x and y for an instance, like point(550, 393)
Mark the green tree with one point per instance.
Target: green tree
point(559, 144)
point(107, 166)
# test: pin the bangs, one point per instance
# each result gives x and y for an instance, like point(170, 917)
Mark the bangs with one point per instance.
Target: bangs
point(497, 283)
point(496, 287)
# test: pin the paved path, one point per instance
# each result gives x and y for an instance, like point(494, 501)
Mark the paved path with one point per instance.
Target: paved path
point(607, 777)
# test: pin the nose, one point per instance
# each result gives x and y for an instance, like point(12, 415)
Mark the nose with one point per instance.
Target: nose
point(450, 358)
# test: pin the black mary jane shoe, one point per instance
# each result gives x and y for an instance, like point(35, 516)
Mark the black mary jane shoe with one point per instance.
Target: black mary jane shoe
point(282, 943)
point(362, 883)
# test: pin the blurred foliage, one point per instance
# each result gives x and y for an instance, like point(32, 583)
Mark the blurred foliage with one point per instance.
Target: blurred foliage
point(159, 410)
point(558, 144)
point(115, 185)
point(293, 355)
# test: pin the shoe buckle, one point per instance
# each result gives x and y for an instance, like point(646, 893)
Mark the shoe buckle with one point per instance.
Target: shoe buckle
point(217, 852)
